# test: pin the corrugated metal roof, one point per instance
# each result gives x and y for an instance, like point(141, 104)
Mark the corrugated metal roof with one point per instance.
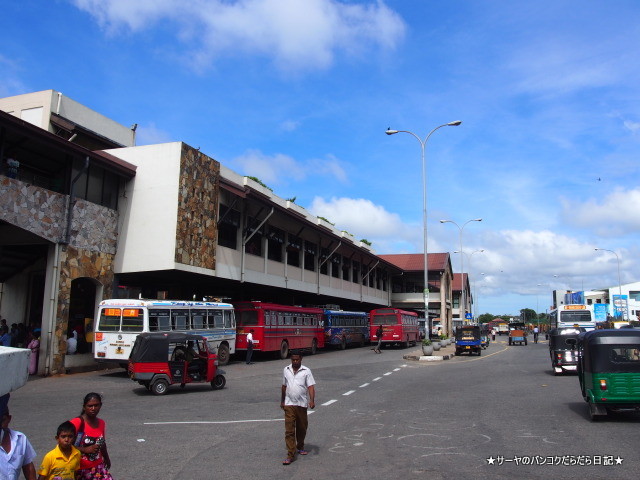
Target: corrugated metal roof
point(414, 262)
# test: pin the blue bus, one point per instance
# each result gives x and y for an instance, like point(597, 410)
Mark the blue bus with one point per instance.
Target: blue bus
point(342, 328)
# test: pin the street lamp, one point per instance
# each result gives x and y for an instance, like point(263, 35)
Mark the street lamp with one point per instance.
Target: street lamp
point(618, 259)
point(423, 145)
point(473, 283)
point(463, 306)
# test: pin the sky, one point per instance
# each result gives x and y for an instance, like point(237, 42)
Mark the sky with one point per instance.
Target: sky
point(300, 94)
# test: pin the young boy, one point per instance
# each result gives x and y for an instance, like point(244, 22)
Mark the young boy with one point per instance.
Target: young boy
point(62, 462)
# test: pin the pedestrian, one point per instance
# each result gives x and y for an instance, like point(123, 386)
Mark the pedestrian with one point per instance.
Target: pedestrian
point(63, 461)
point(493, 334)
point(298, 394)
point(34, 346)
point(536, 331)
point(16, 452)
point(379, 334)
point(249, 347)
point(91, 441)
point(5, 336)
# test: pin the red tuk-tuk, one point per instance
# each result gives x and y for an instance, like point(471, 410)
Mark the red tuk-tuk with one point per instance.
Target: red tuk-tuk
point(158, 360)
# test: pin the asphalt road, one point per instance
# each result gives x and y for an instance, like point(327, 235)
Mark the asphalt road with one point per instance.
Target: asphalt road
point(377, 416)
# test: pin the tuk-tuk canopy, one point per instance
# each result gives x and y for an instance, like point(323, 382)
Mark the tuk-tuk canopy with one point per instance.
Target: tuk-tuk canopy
point(154, 347)
point(468, 331)
point(611, 350)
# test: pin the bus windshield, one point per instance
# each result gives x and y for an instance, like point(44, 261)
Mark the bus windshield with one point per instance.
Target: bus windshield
point(575, 316)
point(247, 317)
point(385, 319)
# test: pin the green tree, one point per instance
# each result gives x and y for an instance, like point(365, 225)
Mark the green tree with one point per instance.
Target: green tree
point(528, 315)
point(485, 318)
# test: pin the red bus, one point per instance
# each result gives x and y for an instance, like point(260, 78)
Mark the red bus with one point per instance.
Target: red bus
point(278, 328)
point(399, 326)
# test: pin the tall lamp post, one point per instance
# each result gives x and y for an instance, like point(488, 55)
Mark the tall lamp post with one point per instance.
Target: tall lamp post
point(618, 259)
point(463, 305)
point(473, 283)
point(423, 145)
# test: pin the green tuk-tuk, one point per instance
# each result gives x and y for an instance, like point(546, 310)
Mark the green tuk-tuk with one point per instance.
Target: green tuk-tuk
point(609, 370)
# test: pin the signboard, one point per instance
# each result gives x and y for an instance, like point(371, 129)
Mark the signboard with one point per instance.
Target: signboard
point(600, 312)
point(620, 308)
point(468, 316)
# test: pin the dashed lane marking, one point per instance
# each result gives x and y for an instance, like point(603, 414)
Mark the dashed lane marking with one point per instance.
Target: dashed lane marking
point(348, 393)
point(364, 385)
point(325, 404)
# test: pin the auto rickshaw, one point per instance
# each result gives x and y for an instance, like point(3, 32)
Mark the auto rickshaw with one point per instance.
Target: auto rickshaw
point(468, 340)
point(517, 334)
point(609, 371)
point(158, 360)
point(485, 340)
point(563, 349)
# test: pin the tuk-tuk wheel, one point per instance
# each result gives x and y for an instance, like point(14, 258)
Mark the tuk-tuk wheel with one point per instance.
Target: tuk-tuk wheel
point(160, 387)
point(218, 382)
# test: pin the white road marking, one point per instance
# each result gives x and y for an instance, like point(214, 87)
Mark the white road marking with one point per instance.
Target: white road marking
point(396, 369)
point(216, 423)
point(348, 393)
point(376, 379)
point(388, 373)
point(364, 385)
point(329, 403)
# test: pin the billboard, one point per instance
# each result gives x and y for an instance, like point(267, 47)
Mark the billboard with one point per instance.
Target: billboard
point(620, 308)
point(600, 311)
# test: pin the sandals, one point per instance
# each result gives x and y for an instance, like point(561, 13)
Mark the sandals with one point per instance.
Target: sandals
point(303, 452)
point(287, 461)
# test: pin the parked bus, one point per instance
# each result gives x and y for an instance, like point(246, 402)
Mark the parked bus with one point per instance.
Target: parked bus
point(343, 328)
point(120, 321)
point(571, 316)
point(279, 328)
point(399, 326)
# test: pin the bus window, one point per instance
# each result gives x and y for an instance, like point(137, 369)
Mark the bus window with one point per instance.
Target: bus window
point(109, 320)
point(198, 319)
point(179, 319)
point(228, 319)
point(247, 317)
point(159, 321)
point(132, 319)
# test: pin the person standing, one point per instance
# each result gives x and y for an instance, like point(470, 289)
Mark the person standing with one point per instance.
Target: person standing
point(16, 452)
point(95, 462)
point(62, 462)
point(536, 331)
point(379, 334)
point(34, 346)
point(297, 395)
point(249, 347)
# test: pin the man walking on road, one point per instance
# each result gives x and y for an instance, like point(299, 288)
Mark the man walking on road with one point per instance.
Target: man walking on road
point(249, 346)
point(298, 394)
point(379, 334)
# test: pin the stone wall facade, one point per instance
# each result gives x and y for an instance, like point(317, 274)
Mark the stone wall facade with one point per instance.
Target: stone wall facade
point(89, 253)
point(199, 193)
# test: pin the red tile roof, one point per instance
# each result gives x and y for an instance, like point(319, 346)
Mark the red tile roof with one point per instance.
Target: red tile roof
point(414, 262)
point(457, 281)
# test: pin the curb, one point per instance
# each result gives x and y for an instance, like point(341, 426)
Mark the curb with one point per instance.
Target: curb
point(428, 358)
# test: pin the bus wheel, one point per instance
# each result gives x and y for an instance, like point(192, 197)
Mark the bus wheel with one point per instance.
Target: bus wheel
point(343, 343)
point(314, 346)
point(160, 387)
point(284, 350)
point(223, 354)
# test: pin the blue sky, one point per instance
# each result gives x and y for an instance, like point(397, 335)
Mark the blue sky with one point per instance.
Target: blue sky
point(300, 93)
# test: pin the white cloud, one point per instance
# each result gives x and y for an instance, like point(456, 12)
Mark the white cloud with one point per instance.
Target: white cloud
point(296, 35)
point(364, 219)
point(150, 134)
point(615, 215)
point(634, 127)
point(280, 169)
point(289, 125)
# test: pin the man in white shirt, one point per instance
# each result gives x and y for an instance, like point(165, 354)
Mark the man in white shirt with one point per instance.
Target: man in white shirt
point(16, 453)
point(249, 346)
point(298, 394)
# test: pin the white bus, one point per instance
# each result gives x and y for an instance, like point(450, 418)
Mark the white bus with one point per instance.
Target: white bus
point(572, 315)
point(120, 321)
